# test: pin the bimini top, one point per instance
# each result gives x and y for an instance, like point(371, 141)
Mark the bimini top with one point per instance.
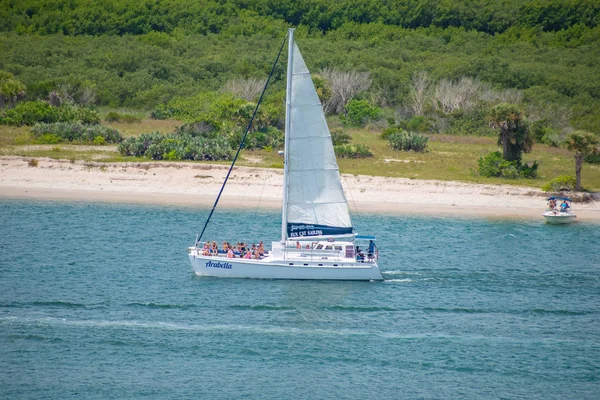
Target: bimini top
point(558, 198)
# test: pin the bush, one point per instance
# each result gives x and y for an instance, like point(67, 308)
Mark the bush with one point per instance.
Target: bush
point(352, 151)
point(68, 132)
point(418, 123)
point(493, 165)
point(562, 182)
point(176, 147)
point(593, 159)
point(340, 137)
point(359, 112)
point(32, 112)
point(112, 117)
point(259, 139)
point(407, 141)
point(33, 162)
point(48, 138)
point(99, 141)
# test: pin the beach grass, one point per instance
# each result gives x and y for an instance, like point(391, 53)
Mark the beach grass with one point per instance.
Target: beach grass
point(448, 157)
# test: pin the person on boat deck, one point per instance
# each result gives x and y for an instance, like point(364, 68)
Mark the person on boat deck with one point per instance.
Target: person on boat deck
point(298, 245)
point(261, 248)
point(205, 249)
point(307, 247)
point(215, 248)
point(551, 204)
point(230, 253)
point(371, 250)
point(248, 255)
point(564, 206)
point(359, 255)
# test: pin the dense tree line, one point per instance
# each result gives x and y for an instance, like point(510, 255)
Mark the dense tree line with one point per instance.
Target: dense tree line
point(234, 17)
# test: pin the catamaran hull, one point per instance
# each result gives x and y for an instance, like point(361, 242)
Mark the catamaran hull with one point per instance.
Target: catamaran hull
point(235, 268)
point(559, 218)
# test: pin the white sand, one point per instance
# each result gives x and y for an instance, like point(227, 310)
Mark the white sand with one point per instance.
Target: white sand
point(198, 185)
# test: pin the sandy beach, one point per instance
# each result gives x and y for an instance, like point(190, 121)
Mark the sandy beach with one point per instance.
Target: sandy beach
point(197, 185)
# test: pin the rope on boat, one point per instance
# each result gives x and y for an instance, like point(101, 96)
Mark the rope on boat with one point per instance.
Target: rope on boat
point(242, 142)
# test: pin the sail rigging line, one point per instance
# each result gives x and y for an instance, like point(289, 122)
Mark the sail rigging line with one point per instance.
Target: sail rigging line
point(242, 141)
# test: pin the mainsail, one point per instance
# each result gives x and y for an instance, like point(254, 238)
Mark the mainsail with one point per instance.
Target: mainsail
point(316, 203)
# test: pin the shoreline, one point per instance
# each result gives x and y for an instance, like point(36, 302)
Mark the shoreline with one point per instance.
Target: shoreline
point(197, 185)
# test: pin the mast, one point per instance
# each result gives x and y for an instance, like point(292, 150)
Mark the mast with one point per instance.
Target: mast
point(288, 114)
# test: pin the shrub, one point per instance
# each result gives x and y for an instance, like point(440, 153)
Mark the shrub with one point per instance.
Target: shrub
point(48, 138)
point(352, 151)
point(340, 137)
point(493, 165)
point(407, 141)
point(33, 162)
point(359, 112)
point(99, 141)
point(418, 123)
point(593, 159)
point(30, 112)
point(176, 147)
point(68, 132)
point(562, 182)
point(112, 117)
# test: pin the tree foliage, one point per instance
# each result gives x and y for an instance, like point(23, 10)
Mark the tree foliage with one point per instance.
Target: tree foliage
point(582, 144)
point(513, 133)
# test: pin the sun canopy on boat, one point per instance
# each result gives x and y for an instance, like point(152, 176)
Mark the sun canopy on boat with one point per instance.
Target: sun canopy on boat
point(558, 198)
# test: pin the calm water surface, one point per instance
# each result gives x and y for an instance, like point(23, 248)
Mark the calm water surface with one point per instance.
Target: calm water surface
point(99, 301)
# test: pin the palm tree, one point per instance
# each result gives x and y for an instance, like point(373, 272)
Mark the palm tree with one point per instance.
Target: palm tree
point(513, 133)
point(582, 144)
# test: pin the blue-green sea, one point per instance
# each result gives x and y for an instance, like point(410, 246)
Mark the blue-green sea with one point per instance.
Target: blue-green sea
point(98, 301)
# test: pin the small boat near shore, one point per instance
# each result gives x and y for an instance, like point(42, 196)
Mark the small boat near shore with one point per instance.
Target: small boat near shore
point(556, 214)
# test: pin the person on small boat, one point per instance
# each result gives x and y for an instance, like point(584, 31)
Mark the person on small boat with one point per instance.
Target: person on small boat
point(564, 206)
point(551, 205)
point(230, 253)
point(298, 246)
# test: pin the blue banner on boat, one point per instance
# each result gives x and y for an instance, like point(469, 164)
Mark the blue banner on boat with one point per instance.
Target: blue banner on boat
point(296, 230)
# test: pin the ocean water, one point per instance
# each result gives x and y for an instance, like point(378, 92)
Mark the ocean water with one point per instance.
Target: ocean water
point(98, 301)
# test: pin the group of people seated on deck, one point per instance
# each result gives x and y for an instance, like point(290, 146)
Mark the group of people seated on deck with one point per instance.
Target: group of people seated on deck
point(553, 206)
point(240, 250)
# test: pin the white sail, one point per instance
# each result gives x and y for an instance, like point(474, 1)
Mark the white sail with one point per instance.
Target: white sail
point(316, 203)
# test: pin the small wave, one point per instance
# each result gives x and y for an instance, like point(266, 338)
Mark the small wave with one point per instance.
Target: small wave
point(261, 307)
point(457, 310)
point(35, 338)
point(406, 280)
point(397, 272)
point(559, 312)
point(161, 306)
point(360, 309)
point(54, 304)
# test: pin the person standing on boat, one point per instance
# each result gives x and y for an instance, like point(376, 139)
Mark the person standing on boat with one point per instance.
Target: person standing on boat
point(371, 250)
point(564, 206)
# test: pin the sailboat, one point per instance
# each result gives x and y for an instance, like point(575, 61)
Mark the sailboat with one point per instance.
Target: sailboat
point(317, 237)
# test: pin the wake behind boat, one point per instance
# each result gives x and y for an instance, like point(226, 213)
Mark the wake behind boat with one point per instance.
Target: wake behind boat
point(559, 213)
point(317, 237)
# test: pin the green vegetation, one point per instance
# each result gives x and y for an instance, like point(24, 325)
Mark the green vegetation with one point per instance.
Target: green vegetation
point(562, 182)
point(74, 132)
point(582, 144)
point(449, 77)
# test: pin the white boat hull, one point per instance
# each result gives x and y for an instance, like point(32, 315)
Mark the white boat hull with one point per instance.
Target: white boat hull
point(559, 218)
point(222, 267)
